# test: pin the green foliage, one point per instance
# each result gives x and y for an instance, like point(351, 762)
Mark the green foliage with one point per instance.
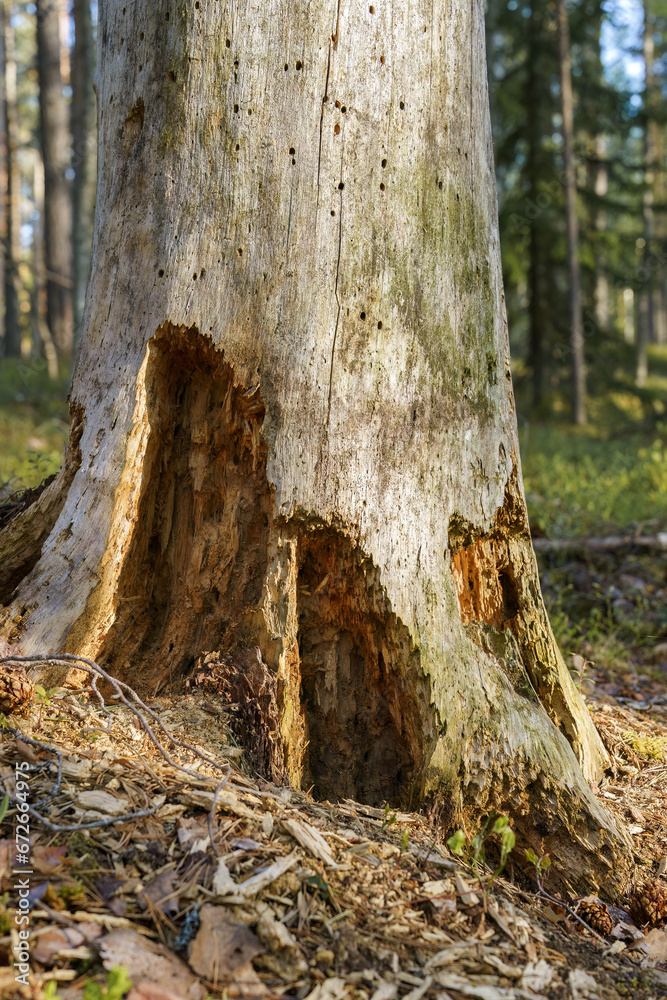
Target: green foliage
point(4, 806)
point(117, 985)
point(587, 483)
point(51, 990)
point(539, 864)
point(474, 851)
point(389, 817)
point(34, 423)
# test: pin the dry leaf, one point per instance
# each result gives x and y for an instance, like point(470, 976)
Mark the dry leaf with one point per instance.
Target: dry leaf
point(451, 981)
point(151, 991)
point(221, 945)
point(286, 959)
point(48, 860)
point(56, 939)
point(654, 947)
point(311, 839)
point(385, 991)
point(537, 976)
point(223, 883)
point(330, 989)
point(145, 960)
point(103, 802)
point(161, 893)
point(256, 883)
point(468, 898)
point(583, 985)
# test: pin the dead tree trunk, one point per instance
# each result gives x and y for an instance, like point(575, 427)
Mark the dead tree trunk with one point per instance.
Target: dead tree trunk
point(55, 142)
point(293, 420)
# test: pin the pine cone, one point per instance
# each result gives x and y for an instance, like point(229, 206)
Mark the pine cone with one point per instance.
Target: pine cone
point(16, 691)
point(648, 904)
point(596, 916)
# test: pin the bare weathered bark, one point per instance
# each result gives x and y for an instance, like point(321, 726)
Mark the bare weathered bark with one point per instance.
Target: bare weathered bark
point(293, 412)
point(577, 357)
point(55, 143)
point(12, 221)
point(84, 149)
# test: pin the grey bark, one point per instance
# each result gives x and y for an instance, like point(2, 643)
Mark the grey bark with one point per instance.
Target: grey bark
point(293, 419)
point(55, 144)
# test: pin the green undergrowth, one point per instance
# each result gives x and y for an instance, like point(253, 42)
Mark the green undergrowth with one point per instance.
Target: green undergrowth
point(593, 481)
point(34, 423)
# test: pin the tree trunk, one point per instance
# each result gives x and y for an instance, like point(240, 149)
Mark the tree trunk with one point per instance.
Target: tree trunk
point(572, 222)
point(83, 153)
point(601, 190)
point(55, 142)
point(12, 328)
point(536, 305)
point(293, 420)
point(645, 327)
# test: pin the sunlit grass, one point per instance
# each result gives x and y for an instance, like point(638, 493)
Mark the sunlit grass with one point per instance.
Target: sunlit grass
point(583, 482)
point(34, 423)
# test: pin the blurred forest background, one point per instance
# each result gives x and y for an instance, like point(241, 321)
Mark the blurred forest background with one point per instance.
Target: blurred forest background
point(579, 113)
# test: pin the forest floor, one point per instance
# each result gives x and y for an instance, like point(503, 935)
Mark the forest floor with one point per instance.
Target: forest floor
point(304, 899)
point(294, 897)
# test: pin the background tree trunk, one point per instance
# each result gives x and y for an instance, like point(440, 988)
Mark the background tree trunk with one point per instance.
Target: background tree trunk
point(578, 360)
point(55, 141)
point(84, 153)
point(293, 421)
point(12, 220)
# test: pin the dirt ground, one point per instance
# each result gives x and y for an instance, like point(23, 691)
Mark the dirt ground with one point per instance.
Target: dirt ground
point(198, 889)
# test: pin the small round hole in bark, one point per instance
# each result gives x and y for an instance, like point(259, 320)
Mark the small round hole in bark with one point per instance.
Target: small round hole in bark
point(384, 164)
point(236, 109)
point(240, 251)
point(299, 64)
point(362, 315)
point(161, 273)
point(440, 185)
point(166, 16)
point(293, 161)
point(382, 60)
point(381, 187)
point(237, 147)
point(291, 151)
point(336, 129)
point(344, 110)
point(401, 105)
point(341, 186)
point(338, 104)
point(194, 277)
point(197, 5)
point(371, 9)
point(332, 212)
point(379, 324)
point(286, 66)
point(172, 76)
point(228, 44)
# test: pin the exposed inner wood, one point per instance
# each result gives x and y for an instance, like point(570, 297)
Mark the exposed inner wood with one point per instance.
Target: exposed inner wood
point(198, 552)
